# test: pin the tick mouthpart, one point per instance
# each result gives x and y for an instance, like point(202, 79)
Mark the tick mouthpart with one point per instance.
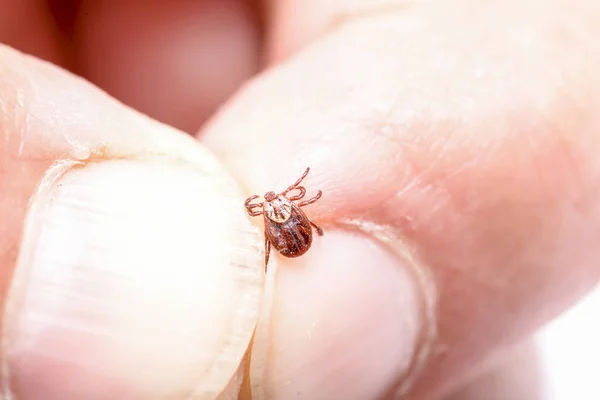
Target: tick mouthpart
point(270, 196)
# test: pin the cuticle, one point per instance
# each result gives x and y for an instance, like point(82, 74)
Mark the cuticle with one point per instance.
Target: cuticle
point(387, 236)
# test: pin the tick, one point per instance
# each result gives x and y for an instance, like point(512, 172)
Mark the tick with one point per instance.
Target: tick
point(287, 228)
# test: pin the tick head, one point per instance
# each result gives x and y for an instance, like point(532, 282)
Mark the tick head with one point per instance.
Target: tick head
point(277, 208)
point(270, 196)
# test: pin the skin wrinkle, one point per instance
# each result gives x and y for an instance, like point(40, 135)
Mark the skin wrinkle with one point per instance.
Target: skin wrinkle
point(23, 121)
point(366, 11)
point(15, 110)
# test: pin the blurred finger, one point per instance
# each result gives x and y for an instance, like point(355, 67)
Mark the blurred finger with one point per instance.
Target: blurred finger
point(29, 26)
point(175, 61)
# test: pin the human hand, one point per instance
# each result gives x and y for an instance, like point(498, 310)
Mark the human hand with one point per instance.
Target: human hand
point(454, 143)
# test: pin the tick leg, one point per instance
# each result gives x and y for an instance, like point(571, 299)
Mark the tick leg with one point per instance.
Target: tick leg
point(317, 227)
point(249, 199)
point(312, 200)
point(250, 207)
point(254, 213)
point(297, 182)
point(299, 195)
point(251, 210)
point(267, 251)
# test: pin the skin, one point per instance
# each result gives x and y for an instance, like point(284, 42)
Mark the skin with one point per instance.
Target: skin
point(479, 121)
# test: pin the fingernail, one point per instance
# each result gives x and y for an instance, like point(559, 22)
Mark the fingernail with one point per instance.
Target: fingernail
point(136, 280)
point(346, 321)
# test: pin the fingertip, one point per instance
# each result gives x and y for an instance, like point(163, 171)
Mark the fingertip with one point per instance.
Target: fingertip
point(120, 235)
point(130, 266)
point(346, 321)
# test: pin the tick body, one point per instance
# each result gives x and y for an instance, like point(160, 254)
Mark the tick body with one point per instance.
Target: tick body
point(287, 228)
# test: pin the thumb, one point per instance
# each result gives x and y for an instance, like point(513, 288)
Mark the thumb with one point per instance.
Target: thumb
point(137, 274)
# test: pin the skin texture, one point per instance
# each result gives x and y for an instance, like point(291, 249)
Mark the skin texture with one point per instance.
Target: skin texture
point(466, 131)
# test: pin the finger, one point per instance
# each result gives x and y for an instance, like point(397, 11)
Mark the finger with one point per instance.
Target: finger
point(175, 61)
point(28, 26)
point(427, 129)
point(132, 269)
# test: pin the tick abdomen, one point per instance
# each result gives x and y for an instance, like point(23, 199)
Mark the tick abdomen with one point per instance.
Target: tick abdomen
point(293, 237)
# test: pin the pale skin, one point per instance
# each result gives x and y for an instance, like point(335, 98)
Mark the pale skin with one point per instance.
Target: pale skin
point(467, 130)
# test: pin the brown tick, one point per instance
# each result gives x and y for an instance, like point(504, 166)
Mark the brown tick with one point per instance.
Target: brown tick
point(286, 225)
